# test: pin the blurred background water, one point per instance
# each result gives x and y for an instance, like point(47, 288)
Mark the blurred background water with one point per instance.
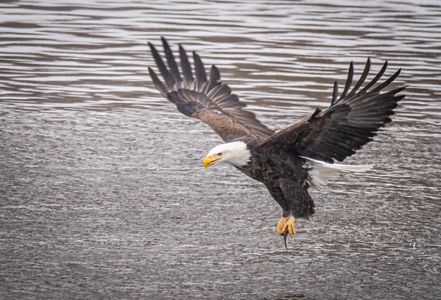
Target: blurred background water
point(102, 190)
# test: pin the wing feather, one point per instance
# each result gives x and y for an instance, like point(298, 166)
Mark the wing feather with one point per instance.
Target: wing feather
point(201, 75)
point(363, 77)
point(185, 66)
point(348, 81)
point(214, 73)
point(162, 68)
point(158, 83)
point(204, 97)
point(171, 61)
point(334, 93)
point(376, 78)
point(349, 123)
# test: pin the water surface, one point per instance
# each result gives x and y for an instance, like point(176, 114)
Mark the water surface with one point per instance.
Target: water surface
point(102, 189)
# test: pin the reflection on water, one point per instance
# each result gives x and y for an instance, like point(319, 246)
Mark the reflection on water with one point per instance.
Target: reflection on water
point(102, 190)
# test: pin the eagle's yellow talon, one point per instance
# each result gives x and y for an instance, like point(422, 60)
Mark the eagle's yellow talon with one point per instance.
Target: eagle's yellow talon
point(290, 226)
point(281, 226)
point(286, 225)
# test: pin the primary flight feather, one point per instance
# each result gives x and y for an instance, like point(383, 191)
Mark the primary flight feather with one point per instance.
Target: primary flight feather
point(289, 161)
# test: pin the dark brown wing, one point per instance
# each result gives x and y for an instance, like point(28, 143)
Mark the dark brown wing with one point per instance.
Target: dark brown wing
point(350, 122)
point(204, 96)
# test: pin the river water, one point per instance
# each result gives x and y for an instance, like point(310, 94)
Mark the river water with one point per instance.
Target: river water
point(103, 193)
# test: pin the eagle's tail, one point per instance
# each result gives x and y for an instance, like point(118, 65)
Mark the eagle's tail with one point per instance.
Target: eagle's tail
point(320, 172)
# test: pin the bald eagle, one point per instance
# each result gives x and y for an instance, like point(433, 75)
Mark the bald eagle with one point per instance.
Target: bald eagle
point(288, 161)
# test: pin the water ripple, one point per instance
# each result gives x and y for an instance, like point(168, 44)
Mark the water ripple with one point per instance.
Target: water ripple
point(102, 190)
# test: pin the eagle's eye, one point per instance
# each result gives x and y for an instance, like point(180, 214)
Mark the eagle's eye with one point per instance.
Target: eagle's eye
point(219, 154)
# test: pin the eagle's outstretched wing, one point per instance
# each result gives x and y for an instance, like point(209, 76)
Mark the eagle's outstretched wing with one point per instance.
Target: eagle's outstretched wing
point(350, 122)
point(204, 97)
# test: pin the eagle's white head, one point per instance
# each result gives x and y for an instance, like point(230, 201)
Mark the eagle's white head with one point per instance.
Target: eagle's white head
point(234, 153)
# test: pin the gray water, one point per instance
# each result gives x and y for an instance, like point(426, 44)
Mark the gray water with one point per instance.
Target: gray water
point(103, 193)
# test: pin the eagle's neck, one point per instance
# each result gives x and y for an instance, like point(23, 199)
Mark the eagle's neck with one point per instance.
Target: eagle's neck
point(238, 154)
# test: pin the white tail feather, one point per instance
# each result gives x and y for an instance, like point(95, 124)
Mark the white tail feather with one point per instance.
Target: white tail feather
point(320, 171)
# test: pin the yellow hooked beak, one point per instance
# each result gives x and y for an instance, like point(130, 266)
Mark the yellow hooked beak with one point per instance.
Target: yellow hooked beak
point(209, 160)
